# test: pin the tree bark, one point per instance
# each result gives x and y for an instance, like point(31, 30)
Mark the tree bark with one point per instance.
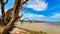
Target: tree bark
point(2, 10)
point(15, 16)
point(11, 10)
point(15, 9)
point(7, 15)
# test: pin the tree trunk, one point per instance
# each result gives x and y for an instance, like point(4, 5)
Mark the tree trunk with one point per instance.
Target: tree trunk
point(2, 10)
point(15, 9)
point(15, 16)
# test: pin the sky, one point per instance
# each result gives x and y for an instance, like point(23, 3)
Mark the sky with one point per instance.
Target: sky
point(39, 10)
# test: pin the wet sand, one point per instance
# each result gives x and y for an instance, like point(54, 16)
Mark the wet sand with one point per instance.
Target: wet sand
point(49, 28)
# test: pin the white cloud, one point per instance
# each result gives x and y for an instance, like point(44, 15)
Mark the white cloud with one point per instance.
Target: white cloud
point(38, 5)
point(57, 15)
point(33, 17)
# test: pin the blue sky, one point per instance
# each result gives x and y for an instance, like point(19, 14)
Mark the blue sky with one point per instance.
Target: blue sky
point(42, 10)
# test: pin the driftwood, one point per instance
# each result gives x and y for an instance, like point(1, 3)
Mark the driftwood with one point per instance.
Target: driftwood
point(17, 5)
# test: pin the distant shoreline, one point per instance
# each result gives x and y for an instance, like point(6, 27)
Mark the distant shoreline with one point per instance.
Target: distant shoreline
point(39, 21)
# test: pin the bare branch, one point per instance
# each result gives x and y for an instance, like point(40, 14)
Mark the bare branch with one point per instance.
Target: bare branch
point(15, 9)
point(6, 2)
point(25, 2)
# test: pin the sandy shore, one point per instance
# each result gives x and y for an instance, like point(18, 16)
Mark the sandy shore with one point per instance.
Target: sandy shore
point(46, 27)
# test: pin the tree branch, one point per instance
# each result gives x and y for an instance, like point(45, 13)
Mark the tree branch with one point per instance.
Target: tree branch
point(7, 15)
point(25, 2)
point(17, 6)
point(6, 2)
point(2, 10)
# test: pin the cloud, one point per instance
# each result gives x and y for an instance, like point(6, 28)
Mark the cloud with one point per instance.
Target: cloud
point(38, 5)
point(54, 18)
point(57, 15)
point(33, 17)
